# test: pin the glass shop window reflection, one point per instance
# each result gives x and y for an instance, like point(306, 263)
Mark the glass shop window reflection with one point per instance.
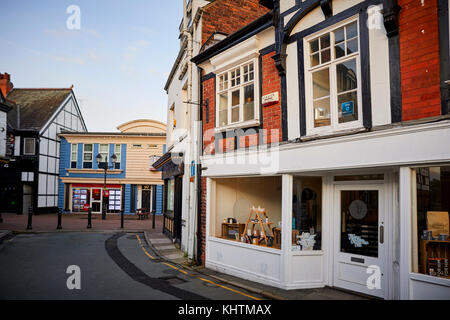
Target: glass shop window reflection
point(307, 214)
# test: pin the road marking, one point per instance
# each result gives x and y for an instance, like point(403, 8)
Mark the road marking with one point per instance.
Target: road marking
point(143, 249)
point(194, 276)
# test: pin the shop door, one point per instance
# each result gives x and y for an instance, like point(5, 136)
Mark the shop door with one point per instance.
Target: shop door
point(359, 254)
point(96, 201)
point(146, 200)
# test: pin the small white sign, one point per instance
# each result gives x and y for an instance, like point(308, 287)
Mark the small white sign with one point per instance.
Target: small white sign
point(270, 98)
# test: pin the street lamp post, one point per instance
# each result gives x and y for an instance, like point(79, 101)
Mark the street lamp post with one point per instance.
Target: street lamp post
point(99, 159)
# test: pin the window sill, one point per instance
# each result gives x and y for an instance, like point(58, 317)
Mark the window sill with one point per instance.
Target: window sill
point(239, 125)
point(331, 134)
point(429, 279)
point(110, 171)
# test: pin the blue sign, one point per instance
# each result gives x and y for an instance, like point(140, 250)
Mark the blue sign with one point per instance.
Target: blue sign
point(193, 169)
point(347, 108)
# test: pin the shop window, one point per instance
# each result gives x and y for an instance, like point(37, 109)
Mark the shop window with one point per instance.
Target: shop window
point(29, 148)
point(81, 199)
point(247, 210)
point(87, 156)
point(431, 251)
point(236, 96)
point(170, 195)
point(333, 80)
point(307, 214)
point(73, 155)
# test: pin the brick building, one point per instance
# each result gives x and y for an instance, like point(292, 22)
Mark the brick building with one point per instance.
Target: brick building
point(331, 118)
point(204, 23)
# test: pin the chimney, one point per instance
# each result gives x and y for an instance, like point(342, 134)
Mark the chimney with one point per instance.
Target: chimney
point(5, 83)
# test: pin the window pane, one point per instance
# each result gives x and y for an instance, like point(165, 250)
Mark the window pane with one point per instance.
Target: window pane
point(88, 147)
point(433, 207)
point(73, 147)
point(325, 41)
point(359, 225)
point(249, 106)
point(339, 35)
point(103, 148)
point(325, 55)
point(346, 76)
point(307, 213)
point(322, 113)
point(223, 109)
point(321, 83)
point(352, 30)
point(315, 60)
point(29, 146)
point(339, 50)
point(348, 107)
point(235, 98)
point(352, 46)
point(314, 45)
point(87, 156)
point(117, 149)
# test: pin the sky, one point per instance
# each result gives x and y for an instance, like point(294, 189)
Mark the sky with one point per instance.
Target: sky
point(118, 60)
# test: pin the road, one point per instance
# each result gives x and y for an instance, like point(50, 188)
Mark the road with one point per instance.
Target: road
point(112, 266)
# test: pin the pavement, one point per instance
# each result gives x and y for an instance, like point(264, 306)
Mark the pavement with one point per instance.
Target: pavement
point(165, 249)
point(77, 222)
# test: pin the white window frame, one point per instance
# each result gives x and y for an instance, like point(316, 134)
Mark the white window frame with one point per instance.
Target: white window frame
point(118, 155)
point(91, 152)
point(335, 125)
point(73, 153)
point(25, 147)
point(229, 90)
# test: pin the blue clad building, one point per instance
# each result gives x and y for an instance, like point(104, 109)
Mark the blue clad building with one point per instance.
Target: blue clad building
point(131, 182)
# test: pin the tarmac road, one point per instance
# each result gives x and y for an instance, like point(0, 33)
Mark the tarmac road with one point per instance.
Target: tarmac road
point(112, 266)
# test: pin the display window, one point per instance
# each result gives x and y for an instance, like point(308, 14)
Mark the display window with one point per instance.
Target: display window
point(81, 199)
point(431, 243)
point(248, 210)
point(307, 213)
point(170, 195)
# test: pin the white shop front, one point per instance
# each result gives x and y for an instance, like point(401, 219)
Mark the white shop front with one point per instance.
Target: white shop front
point(346, 212)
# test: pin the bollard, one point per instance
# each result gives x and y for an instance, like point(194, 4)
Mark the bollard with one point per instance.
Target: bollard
point(89, 226)
point(121, 219)
point(30, 217)
point(59, 219)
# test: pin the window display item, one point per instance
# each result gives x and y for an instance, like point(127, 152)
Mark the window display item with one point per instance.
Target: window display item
point(306, 240)
point(438, 222)
point(256, 219)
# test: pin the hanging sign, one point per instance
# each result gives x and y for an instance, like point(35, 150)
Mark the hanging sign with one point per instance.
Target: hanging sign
point(192, 171)
point(106, 193)
point(270, 99)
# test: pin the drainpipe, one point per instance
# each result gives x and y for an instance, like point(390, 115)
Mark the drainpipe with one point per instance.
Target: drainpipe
point(191, 113)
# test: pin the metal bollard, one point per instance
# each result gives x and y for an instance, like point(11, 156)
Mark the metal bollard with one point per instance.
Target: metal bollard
point(30, 218)
point(89, 226)
point(121, 219)
point(59, 219)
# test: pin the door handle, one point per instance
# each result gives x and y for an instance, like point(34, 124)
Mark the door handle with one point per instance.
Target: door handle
point(381, 234)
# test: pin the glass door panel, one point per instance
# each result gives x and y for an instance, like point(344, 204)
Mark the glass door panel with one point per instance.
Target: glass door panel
point(359, 222)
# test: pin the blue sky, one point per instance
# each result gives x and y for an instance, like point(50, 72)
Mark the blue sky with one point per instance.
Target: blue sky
point(118, 61)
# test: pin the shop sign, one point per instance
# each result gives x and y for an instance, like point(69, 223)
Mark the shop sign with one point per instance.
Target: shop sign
point(86, 207)
point(347, 108)
point(106, 193)
point(270, 99)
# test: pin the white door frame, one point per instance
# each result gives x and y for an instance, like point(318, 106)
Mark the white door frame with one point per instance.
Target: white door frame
point(383, 249)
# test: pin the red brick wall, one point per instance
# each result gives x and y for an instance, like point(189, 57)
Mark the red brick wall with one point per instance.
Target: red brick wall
point(228, 16)
point(209, 92)
point(419, 59)
point(271, 114)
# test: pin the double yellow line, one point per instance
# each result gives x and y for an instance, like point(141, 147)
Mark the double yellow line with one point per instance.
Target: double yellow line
point(192, 275)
